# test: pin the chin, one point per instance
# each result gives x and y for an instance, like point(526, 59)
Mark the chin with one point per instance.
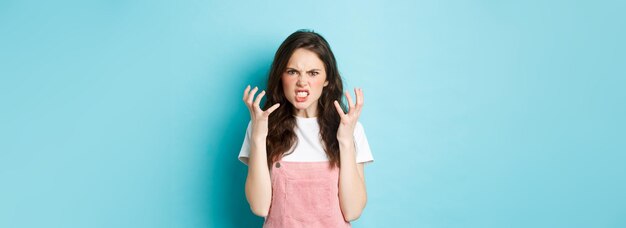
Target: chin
point(300, 105)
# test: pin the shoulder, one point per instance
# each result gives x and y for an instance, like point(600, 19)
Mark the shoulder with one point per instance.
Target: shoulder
point(358, 129)
point(359, 125)
point(249, 128)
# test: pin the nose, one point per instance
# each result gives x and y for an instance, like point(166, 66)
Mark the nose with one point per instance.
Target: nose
point(301, 81)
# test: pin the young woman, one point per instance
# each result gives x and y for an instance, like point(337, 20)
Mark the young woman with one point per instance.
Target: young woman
point(305, 155)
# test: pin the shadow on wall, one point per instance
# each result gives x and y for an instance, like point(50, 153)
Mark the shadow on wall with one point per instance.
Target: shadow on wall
point(228, 198)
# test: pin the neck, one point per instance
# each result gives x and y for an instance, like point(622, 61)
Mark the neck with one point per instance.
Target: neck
point(309, 112)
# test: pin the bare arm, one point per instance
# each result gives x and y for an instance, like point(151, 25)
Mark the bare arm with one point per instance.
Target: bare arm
point(352, 192)
point(258, 182)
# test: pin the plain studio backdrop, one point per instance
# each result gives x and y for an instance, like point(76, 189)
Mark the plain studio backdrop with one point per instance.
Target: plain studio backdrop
point(478, 113)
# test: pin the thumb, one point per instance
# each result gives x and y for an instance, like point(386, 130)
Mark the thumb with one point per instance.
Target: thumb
point(272, 109)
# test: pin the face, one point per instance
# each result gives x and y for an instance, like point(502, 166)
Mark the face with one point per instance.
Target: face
point(303, 81)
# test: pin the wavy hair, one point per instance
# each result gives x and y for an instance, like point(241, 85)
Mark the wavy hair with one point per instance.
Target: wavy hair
point(281, 135)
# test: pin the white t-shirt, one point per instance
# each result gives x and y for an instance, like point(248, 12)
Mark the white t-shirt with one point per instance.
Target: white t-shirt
point(308, 147)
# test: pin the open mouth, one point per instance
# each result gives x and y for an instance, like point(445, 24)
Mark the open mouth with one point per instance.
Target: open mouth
point(301, 95)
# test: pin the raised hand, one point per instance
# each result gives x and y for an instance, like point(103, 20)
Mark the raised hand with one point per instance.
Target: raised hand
point(349, 120)
point(258, 117)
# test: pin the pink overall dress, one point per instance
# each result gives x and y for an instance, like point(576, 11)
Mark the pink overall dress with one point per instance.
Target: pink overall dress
point(304, 194)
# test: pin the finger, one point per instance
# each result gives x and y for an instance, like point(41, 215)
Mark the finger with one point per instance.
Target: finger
point(339, 110)
point(251, 95)
point(359, 99)
point(272, 109)
point(362, 96)
point(258, 98)
point(245, 93)
point(350, 103)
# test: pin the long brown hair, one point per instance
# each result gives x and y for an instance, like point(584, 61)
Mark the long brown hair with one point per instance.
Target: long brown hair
point(281, 136)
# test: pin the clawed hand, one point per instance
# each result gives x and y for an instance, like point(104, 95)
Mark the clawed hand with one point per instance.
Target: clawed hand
point(258, 117)
point(349, 120)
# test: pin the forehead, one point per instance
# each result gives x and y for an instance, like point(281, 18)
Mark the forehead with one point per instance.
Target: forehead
point(304, 59)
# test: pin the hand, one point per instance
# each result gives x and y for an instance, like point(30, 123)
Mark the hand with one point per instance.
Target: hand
point(349, 120)
point(258, 117)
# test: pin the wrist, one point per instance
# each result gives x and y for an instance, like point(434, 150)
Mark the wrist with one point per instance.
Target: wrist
point(259, 139)
point(345, 140)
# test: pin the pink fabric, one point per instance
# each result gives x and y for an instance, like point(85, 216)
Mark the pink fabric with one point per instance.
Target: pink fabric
point(304, 194)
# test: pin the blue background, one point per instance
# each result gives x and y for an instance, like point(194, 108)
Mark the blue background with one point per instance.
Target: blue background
point(478, 113)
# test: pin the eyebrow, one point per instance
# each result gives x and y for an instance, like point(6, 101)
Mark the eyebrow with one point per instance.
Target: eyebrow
point(312, 70)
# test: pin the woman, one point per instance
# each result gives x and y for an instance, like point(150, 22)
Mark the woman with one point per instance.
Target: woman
point(305, 155)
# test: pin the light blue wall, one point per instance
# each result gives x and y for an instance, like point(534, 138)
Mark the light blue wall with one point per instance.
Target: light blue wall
point(478, 113)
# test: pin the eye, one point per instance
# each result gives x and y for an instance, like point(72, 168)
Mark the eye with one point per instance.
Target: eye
point(291, 72)
point(314, 73)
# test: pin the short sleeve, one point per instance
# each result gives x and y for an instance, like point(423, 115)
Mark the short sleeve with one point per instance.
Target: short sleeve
point(244, 153)
point(363, 152)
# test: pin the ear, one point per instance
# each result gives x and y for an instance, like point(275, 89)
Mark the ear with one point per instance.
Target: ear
point(325, 83)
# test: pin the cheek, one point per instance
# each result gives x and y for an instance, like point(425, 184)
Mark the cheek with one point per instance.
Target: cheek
point(288, 85)
point(319, 84)
point(286, 82)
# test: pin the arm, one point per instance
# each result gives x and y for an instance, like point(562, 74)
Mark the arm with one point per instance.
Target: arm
point(352, 192)
point(258, 182)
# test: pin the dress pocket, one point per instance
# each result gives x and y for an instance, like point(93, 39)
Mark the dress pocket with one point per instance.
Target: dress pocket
point(308, 200)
